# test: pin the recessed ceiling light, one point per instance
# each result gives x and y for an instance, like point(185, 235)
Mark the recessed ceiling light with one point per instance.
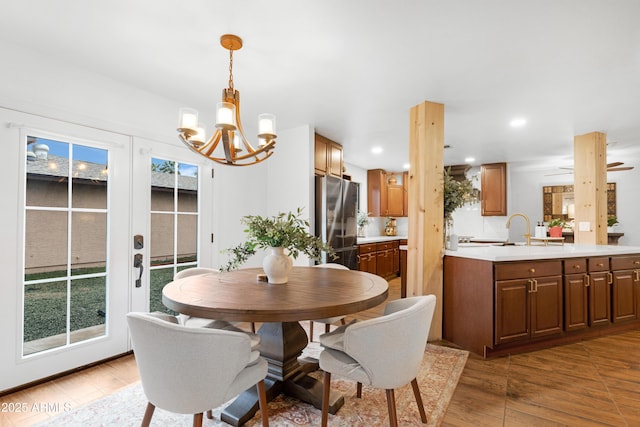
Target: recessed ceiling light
point(470, 160)
point(518, 122)
point(376, 150)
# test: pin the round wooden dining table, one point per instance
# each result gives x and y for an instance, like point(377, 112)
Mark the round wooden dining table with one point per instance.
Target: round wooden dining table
point(242, 296)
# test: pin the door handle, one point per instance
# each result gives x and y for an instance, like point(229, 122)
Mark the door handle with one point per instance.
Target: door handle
point(137, 263)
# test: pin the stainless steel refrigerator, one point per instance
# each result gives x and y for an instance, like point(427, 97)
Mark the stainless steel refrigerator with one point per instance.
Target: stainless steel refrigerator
point(336, 215)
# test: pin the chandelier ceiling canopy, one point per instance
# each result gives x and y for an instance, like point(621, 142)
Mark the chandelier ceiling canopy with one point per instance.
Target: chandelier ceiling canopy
point(236, 149)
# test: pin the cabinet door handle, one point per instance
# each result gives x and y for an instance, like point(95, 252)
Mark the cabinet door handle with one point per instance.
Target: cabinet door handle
point(577, 266)
point(600, 264)
point(610, 277)
point(587, 280)
point(637, 275)
point(530, 285)
point(535, 282)
point(532, 270)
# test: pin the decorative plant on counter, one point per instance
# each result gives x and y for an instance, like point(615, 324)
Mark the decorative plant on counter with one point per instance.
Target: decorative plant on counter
point(457, 193)
point(612, 220)
point(555, 227)
point(362, 220)
point(285, 230)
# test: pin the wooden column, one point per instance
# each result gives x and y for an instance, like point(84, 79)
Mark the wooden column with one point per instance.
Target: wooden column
point(590, 188)
point(426, 206)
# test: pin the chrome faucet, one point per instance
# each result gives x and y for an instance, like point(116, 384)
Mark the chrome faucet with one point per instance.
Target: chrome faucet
point(527, 235)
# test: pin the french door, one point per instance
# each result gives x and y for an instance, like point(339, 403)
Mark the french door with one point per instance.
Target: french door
point(172, 189)
point(103, 221)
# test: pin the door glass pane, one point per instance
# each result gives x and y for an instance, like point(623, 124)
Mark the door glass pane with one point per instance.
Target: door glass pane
point(88, 249)
point(89, 177)
point(162, 234)
point(159, 277)
point(45, 244)
point(47, 173)
point(45, 318)
point(163, 182)
point(65, 234)
point(187, 188)
point(174, 223)
point(188, 241)
point(88, 308)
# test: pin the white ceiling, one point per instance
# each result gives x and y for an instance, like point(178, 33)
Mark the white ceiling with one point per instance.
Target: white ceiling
point(353, 69)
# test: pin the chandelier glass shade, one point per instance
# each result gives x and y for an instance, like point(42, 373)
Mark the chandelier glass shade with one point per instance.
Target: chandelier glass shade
point(236, 149)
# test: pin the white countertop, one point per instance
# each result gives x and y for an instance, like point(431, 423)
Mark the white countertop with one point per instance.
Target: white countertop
point(490, 252)
point(376, 239)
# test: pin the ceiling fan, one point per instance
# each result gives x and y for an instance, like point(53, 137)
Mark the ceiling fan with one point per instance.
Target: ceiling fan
point(611, 167)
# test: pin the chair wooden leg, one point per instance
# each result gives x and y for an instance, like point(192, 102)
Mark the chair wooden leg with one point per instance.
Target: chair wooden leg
point(197, 420)
point(264, 407)
point(253, 327)
point(391, 405)
point(148, 413)
point(416, 393)
point(325, 398)
point(342, 321)
point(210, 414)
point(359, 390)
point(310, 330)
point(327, 328)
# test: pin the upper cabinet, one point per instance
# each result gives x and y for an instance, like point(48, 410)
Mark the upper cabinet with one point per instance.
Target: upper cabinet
point(328, 157)
point(493, 180)
point(387, 195)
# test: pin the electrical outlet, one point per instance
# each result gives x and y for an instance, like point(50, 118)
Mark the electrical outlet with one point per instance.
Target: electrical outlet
point(584, 226)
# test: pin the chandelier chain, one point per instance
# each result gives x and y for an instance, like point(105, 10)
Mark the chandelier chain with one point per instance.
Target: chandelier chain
point(231, 69)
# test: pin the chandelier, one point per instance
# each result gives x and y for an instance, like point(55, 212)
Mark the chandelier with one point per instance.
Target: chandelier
point(236, 148)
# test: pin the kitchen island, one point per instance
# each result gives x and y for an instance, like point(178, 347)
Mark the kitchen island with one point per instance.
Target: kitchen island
point(507, 299)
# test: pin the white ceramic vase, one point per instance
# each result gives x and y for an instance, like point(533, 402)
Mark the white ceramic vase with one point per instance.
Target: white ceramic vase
point(277, 266)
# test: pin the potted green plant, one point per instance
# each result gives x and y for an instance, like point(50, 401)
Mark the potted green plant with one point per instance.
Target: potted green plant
point(612, 221)
point(555, 227)
point(286, 235)
point(456, 193)
point(362, 220)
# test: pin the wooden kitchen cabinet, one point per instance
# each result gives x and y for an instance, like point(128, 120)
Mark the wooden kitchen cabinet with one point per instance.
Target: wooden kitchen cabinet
point(382, 259)
point(388, 261)
point(528, 300)
point(384, 198)
point(367, 258)
point(493, 182)
point(504, 307)
point(576, 294)
point(599, 291)
point(328, 157)
point(625, 271)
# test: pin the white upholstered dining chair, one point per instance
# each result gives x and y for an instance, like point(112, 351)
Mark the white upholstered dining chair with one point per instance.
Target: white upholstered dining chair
point(385, 352)
point(328, 321)
point(191, 370)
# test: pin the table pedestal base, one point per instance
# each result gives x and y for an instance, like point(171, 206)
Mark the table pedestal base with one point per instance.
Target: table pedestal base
point(281, 344)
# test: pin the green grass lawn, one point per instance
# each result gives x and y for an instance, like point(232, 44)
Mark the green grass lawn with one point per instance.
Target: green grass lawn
point(45, 304)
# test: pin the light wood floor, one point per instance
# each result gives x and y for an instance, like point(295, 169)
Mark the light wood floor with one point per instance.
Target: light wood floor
point(591, 383)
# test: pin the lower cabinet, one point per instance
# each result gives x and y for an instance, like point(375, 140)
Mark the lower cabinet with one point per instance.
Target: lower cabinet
point(625, 272)
point(494, 308)
point(382, 258)
point(576, 294)
point(528, 300)
point(367, 259)
point(599, 291)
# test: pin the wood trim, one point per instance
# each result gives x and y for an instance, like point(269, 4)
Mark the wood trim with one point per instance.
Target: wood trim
point(426, 206)
point(590, 187)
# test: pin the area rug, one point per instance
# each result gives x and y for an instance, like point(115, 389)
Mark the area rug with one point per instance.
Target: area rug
point(441, 368)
